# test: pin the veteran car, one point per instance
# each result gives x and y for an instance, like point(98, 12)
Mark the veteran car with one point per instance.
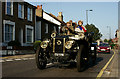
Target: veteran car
point(64, 48)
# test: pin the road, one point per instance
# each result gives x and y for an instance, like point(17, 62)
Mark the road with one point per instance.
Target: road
point(27, 68)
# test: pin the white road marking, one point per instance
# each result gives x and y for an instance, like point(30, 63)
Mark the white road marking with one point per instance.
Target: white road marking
point(24, 58)
point(31, 58)
point(17, 59)
point(107, 72)
point(2, 61)
point(9, 60)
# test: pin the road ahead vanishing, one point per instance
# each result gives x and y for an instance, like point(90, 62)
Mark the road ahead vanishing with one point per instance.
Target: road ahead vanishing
point(27, 68)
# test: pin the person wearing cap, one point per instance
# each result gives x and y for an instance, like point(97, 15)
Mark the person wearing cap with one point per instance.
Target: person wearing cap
point(80, 27)
point(68, 29)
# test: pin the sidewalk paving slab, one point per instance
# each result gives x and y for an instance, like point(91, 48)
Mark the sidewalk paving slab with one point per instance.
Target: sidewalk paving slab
point(18, 56)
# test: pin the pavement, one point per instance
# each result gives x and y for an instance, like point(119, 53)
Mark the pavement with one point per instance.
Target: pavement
point(17, 58)
point(112, 71)
point(27, 68)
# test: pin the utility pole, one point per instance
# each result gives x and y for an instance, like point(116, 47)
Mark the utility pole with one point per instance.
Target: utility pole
point(87, 16)
point(109, 31)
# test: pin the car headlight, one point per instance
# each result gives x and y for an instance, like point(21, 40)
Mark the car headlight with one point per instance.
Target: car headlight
point(53, 35)
point(44, 44)
point(68, 44)
point(108, 48)
point(98, 47)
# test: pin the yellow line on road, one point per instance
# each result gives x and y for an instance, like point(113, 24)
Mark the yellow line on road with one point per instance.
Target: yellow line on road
point(101, 72)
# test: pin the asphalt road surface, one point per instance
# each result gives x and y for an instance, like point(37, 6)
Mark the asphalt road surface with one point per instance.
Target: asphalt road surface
point(27, 68)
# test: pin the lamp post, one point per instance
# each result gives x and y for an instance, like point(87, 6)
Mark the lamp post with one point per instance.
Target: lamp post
point(87, 15)
point(109, 31)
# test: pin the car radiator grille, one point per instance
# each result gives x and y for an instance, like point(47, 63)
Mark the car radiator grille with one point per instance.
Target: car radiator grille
point(58, 48)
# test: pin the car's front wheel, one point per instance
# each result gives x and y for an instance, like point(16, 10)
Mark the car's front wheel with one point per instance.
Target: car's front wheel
point(81, 62)
point(40, 59)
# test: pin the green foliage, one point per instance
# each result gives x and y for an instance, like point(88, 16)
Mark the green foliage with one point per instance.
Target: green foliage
point(105, 40)
point(110, 41)
point(14, 43)
point(93, 28)
point(36, 44)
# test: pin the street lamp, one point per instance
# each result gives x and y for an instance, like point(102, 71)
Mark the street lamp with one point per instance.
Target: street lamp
point(87, 15)
point(109, 31)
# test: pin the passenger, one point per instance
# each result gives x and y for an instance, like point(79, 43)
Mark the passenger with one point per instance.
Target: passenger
point(80, 27)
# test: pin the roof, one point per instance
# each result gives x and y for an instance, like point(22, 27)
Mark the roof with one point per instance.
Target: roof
point(29, 4)
point(40, 18)
point(54, 17)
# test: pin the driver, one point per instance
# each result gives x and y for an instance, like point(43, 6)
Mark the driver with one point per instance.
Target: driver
point(68, 29)
point(80, 27)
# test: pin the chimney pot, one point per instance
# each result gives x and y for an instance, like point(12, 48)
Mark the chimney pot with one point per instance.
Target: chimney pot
point(39, 6)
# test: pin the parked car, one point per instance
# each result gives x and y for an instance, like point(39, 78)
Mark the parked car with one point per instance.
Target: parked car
point(104, 48)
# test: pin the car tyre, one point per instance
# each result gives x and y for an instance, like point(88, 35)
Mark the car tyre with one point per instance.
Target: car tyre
point(40, 59)
point(80, 59)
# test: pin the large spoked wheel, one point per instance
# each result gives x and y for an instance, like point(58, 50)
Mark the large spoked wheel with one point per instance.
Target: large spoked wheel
point(81, 63)
point(40, 59)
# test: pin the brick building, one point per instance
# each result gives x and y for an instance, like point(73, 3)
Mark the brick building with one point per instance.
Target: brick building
point(46, 23)
point(18, 23)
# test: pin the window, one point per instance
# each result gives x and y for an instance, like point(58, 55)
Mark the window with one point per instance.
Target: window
point(29, 14)
point(21, 11)
point(8, 32)
point(29, 34)
point(9, 8)
point(54, 28)
point(46, 28)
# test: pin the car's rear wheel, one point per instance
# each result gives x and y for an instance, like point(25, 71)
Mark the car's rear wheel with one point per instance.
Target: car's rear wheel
point(94, 54)
point(81, 63)
point(94, 57)
point(40, 59)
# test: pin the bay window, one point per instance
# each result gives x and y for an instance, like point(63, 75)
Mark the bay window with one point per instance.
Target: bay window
point(8, 32)
point(29, 34)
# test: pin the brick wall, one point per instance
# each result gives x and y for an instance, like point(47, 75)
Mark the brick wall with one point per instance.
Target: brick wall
point(19, 23)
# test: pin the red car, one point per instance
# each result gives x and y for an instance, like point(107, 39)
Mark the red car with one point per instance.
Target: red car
point(103, 48)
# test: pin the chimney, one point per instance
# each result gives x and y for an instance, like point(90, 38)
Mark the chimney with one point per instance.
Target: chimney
point(60, 16)
point(39, 11)
point(39, 6)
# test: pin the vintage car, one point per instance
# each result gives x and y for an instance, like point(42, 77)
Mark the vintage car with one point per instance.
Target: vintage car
point(64, 48)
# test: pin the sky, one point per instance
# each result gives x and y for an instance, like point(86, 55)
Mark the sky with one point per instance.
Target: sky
point(104, 13)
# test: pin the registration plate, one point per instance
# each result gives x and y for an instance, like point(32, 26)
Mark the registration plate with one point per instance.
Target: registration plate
point(102, 49)
point(59, 54)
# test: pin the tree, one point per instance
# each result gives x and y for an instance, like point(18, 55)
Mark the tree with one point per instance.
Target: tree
point(110, 41)
point(105, 40)
point(93, 28)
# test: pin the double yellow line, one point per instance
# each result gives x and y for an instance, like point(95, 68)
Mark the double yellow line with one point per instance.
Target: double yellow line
point(101, 72)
